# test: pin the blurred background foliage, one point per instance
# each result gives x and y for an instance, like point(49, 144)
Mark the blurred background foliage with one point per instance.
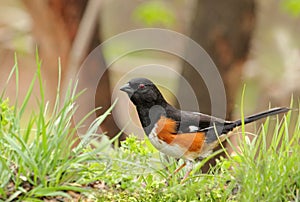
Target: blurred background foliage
point(154, 13)
point(292, 7)
point(271, 72)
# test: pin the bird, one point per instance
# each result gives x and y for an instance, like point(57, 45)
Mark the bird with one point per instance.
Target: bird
point(181, 134)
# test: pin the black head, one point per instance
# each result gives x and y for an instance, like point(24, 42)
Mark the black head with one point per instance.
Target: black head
point(142, 92)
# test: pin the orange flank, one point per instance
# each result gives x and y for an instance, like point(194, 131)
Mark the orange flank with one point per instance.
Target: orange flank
point(166, 129)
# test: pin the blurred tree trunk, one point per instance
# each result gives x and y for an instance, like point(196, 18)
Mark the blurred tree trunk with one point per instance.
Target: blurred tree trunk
point(55, 25)
point(224, 29)
point(51, 36)
point(72, 17)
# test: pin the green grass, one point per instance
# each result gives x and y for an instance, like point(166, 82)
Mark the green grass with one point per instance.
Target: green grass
point(38, 160)
point(41, 159)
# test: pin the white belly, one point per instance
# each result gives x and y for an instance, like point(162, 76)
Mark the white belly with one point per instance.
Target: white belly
point(172, 150)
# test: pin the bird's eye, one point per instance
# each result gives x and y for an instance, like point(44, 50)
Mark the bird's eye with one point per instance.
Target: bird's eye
point(141, 86)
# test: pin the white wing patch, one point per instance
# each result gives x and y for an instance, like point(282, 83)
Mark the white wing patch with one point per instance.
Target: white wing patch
point(193, 128)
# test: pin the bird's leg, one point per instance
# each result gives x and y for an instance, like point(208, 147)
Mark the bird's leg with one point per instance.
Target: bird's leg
point(189, 165)
point(177, 170)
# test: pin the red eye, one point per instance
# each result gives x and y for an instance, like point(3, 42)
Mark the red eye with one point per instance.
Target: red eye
point(141, 86)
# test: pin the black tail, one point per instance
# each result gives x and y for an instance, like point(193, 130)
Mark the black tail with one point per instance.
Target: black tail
point(256, 117)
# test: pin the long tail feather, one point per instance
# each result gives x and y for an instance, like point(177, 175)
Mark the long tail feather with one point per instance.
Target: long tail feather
point(256, 117)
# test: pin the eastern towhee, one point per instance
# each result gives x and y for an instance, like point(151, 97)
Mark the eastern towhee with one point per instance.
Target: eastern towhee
point(177, 133)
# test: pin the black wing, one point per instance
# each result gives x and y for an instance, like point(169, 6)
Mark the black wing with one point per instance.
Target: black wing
point(190, 122)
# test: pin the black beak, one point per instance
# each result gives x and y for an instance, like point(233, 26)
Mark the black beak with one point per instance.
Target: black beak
point(127, 89)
